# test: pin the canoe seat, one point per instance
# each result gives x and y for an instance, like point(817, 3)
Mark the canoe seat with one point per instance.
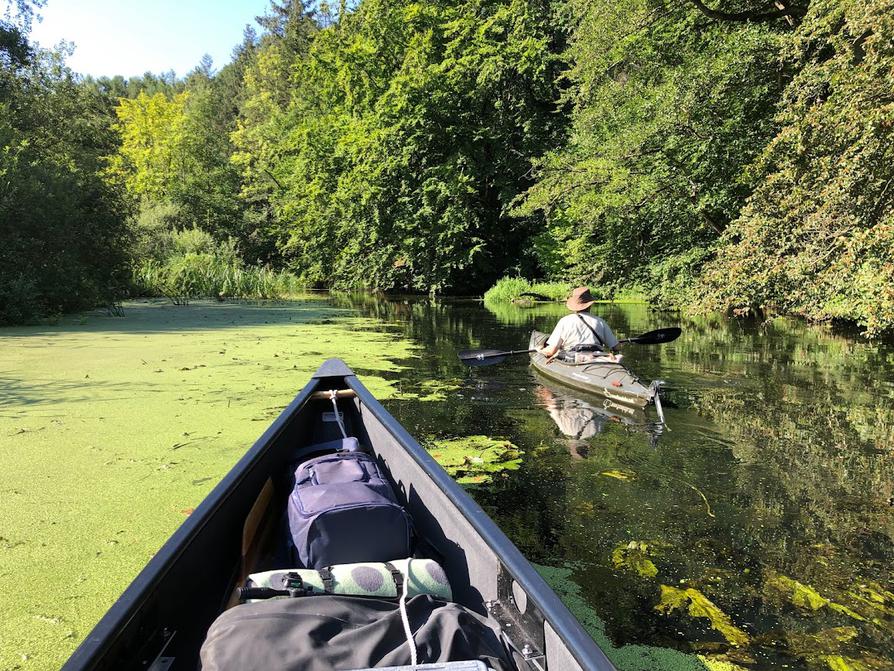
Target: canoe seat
point(373, 579)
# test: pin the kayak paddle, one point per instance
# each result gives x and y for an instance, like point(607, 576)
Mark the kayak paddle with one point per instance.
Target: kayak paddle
point(488, 357)
point(656, 337)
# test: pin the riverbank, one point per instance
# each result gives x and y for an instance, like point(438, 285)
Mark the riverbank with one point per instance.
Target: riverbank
point(114, 428)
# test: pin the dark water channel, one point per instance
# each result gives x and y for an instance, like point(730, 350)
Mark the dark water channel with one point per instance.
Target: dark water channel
point(757, 531)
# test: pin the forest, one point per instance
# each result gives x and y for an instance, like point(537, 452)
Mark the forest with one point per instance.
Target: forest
point(732, 155)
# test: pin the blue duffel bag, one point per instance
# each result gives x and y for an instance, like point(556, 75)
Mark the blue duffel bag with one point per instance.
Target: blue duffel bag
point(342, 510)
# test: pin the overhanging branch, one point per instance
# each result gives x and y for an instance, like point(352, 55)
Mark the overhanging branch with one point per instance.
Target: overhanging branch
point(765, 14)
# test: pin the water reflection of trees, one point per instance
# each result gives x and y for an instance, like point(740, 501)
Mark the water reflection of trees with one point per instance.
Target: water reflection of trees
point(801, 497)
point(771, 497)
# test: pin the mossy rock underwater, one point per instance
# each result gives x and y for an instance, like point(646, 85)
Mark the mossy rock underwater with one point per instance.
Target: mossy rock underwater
point(476, 460)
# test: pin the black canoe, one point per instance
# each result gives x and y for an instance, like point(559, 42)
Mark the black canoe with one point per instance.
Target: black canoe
point(161, 620)
point(611, 380)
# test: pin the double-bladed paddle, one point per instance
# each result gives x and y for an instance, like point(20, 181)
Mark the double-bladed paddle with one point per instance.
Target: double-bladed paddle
point(488, 357)
point(656, 337)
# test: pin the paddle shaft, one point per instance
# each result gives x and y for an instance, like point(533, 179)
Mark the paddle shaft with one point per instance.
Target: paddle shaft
point(481, 356)
point(488, 356)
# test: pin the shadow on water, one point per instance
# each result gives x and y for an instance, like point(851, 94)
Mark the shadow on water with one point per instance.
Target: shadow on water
point(19, 394)
point(153, 316)
point(757, 532)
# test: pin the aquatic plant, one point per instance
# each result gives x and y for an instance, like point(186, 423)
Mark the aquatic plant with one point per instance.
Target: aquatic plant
point(634, 556)
point(198, 275)
point(700, 606)
point(803, 596)
point(619, 474)
point(475, 460)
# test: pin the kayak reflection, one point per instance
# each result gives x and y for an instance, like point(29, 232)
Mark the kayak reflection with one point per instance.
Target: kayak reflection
point(580, 416)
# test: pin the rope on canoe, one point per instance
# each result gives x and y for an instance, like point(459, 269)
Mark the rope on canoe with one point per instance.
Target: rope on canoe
point(405, 618)
point(333, 394)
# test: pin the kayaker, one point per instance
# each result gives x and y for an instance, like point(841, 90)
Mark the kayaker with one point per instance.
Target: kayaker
point(580, 329)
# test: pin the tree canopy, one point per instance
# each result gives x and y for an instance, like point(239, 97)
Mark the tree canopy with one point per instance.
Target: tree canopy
point(730, 155)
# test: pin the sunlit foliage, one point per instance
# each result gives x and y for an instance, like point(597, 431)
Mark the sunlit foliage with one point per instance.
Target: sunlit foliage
point(817, 238)
point(63, 240)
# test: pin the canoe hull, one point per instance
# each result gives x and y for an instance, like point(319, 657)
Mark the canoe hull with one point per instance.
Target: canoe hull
point(610, 380)
point(161, 619)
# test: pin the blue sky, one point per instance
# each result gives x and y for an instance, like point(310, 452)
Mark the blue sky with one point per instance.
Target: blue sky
point(129, 37)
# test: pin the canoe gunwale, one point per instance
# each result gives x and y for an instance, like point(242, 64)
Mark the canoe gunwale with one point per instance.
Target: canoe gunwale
point(540, 594)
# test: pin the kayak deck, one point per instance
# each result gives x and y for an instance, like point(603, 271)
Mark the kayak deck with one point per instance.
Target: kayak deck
point(609, 379)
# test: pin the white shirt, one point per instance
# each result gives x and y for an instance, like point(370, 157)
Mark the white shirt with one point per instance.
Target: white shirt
point(571, 330)
point(576, 421)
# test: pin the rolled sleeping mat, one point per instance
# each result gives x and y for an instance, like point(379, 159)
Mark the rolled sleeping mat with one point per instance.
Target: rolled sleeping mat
point(374, 579)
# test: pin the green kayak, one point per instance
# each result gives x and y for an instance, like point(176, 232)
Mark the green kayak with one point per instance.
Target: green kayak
point(609, 379)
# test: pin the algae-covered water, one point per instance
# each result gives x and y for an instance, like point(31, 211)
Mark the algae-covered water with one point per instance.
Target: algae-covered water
point(755, 533)
point(113, 428)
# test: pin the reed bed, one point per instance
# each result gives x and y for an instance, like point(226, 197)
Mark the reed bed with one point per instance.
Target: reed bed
point(202, 275)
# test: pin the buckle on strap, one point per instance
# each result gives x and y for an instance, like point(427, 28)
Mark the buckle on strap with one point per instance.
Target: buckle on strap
point(294, 585)
point(397, 577)
point(328, 580)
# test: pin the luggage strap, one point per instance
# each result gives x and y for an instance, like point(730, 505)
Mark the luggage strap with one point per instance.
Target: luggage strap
point(293, 583)
point(401, 588)
point(333, 395)
point(328, 580)
point(397, 577)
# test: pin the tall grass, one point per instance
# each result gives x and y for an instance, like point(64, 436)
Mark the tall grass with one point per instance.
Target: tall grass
point(199, 275)
point(511, 289)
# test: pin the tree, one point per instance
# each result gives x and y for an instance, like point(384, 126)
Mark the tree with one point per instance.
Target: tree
point(410, 130)
point(817, 237)
point(62, 227)
point(668, 105)
point(152, 130)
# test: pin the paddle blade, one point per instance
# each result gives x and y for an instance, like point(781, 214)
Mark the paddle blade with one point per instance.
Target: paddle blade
point(481, 357)
point(658, 336)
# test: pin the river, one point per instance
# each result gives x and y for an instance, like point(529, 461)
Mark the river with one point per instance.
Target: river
point(755, 530)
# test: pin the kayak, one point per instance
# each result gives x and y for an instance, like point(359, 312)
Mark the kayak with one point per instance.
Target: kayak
point(608, 379)
point(162, 619)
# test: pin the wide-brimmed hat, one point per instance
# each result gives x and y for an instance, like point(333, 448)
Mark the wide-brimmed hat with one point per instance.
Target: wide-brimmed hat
point(580, 299)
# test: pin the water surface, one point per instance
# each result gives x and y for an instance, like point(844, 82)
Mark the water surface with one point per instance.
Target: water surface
point(755, 530)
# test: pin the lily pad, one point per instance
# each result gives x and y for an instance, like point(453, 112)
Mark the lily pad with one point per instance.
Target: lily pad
point(476, 459)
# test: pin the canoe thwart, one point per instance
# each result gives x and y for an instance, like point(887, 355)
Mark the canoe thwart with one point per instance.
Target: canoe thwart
point(326, 395)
